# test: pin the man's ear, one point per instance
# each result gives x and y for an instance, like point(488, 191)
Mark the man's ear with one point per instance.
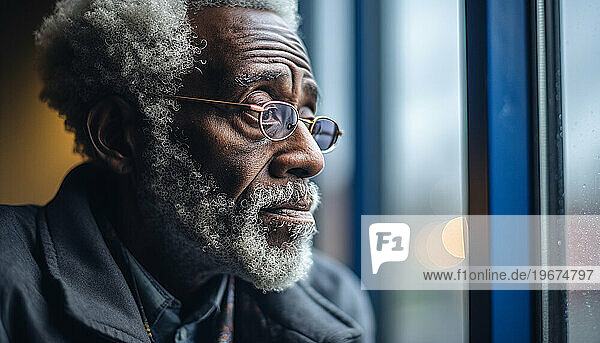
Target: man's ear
point(111, 129)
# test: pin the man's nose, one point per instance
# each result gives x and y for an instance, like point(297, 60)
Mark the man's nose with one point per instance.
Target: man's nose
point(299, 156)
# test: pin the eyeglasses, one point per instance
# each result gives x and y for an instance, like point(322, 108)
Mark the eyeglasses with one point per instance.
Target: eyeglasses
point(278, 120)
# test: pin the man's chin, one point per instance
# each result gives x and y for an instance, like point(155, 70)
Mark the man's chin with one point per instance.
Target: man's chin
point(277, 268)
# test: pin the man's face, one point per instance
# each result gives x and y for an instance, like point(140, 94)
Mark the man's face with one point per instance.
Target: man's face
point(251, 57)
point(215, 185)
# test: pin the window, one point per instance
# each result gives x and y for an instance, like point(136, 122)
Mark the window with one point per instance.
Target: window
point(580, 48)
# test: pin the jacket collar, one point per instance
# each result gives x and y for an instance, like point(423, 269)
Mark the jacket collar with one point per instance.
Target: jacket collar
point(95, 291)
point(93, 287)
point(306, 315)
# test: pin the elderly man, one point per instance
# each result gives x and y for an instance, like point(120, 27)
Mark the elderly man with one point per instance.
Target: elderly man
point(192, 220)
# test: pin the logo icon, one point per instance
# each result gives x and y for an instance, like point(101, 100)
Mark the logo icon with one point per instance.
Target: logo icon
point(389, 242)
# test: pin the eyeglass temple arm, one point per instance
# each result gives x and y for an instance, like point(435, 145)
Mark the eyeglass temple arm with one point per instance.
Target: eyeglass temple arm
point(252, 107)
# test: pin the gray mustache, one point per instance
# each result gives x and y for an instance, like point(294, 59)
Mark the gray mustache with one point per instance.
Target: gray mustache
point(264, 196)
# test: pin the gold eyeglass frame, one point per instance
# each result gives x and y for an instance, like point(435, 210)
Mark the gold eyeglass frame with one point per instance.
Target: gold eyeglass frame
point(257, 108)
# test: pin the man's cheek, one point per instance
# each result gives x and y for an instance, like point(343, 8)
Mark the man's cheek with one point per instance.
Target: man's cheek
point(238, 172)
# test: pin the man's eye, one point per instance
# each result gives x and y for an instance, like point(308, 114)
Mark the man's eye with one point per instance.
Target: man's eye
point(251, 118)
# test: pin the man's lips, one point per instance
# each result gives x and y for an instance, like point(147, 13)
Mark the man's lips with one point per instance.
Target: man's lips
point(287, 214)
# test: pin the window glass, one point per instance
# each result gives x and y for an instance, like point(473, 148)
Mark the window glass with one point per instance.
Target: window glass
point(423, 160)
point(580, 45)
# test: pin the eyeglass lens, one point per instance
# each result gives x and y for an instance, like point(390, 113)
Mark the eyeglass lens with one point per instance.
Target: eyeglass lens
point(325, 131)
point(279, 121)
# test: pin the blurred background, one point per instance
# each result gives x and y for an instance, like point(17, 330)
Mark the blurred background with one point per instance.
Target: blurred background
point(392, 72)
point(448, 107)
point(35, 151)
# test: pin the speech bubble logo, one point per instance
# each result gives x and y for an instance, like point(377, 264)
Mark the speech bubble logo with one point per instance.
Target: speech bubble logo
point(389, 242)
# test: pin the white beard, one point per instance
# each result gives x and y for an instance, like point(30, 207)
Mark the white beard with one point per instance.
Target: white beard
point(206, 229)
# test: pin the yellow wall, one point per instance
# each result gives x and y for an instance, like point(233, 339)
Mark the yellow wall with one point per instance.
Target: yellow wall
point(35, 151)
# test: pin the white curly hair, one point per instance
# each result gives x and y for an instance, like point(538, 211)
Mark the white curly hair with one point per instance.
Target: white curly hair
point(88, 49)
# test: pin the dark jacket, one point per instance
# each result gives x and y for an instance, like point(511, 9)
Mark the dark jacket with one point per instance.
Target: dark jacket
point(59, 282)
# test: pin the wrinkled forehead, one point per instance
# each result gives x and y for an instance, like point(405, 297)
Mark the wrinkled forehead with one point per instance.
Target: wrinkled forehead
point(228, 24)
point(242, 40)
